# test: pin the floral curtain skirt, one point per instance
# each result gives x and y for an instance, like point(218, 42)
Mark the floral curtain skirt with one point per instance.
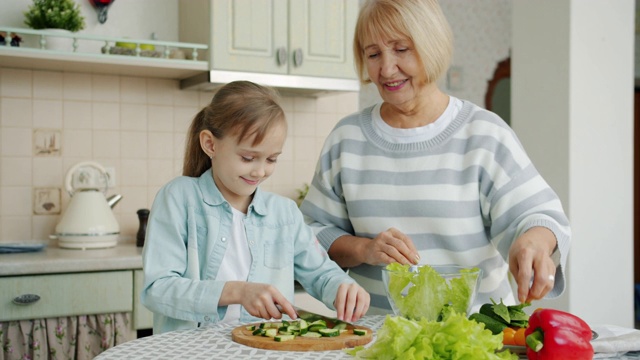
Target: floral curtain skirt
point(77, 337)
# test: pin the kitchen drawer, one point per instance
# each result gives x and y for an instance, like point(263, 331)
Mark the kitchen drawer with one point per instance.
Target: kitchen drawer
point(67, 294)
point(142, 317)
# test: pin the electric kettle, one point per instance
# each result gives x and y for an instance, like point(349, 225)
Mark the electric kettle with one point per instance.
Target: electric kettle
point(88, 222)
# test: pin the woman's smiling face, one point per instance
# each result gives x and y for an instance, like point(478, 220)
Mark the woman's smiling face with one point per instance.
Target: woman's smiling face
point(238, 168)
point(394, 67)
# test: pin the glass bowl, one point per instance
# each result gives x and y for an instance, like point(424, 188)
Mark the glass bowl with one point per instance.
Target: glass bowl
point(422, 291)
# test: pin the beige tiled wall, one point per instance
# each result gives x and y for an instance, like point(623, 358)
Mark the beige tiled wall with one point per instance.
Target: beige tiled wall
point(135, 125)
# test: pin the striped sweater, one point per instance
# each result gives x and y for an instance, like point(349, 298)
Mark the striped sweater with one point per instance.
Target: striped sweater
point(463, 197)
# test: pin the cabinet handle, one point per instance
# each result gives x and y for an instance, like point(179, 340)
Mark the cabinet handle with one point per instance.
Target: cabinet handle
point(26, 299)
point(281, 56)
point(297, 57)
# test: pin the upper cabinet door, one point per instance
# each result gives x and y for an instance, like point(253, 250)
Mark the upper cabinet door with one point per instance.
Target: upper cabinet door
point(249, 35)
point(321, 37)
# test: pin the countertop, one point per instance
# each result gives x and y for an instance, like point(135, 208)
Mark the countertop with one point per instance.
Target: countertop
point(56, 260)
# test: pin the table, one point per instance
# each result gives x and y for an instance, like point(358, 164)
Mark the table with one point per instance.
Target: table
point(214, 342)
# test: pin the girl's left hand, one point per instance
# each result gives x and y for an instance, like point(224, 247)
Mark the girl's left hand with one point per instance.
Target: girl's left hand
point(352, 302)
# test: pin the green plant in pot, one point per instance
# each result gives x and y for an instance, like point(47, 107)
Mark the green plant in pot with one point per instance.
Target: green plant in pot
point(54, 14)
point(59, 18)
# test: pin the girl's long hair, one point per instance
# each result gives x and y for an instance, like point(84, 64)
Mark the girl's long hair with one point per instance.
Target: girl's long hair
point(239, 108)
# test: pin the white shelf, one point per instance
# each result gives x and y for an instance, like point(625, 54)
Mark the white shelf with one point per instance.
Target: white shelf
point(40, 58)
point(36, 59)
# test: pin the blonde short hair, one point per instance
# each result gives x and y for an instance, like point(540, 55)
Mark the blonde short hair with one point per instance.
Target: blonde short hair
point(420, 21)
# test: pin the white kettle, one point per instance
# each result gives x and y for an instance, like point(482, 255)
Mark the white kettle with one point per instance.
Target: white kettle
point(88, 222)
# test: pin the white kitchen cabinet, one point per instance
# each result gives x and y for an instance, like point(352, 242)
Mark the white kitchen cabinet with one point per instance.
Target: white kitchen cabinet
point(322, 32)
point(302, 39)
point(74, 282)
point(66, 295)
point(142, 317)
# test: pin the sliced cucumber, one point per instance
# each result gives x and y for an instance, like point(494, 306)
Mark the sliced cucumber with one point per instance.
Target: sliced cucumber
point(251, 327)
point(360, 332)
point(295, 329)
point(316, 328)
point(319, 322)
point(270, 332)
point(258, 331)
point(281, 338)
point(329, 332)
point(340, 326)
point(304, 326)
point(312, 334)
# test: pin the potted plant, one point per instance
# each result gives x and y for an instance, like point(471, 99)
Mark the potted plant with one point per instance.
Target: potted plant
point(55, 16)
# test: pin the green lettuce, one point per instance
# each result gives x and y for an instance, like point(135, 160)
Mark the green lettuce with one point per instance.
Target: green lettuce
point(430, 292)
point(453, 338)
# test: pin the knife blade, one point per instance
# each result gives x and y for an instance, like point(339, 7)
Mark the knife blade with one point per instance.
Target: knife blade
point(311, 316)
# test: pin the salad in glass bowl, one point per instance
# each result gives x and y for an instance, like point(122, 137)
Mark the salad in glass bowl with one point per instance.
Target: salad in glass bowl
point(423, 291)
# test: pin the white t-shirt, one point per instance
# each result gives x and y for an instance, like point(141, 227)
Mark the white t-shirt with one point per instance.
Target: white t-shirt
point(422, 133)
point(236, 262)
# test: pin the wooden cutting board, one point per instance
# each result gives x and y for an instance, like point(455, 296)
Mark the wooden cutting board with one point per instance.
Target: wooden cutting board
point(346, 340)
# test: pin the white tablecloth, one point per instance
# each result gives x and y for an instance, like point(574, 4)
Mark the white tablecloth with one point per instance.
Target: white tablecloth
point(214, 342)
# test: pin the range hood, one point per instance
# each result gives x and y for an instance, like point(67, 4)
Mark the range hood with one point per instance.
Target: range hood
point(286, 84)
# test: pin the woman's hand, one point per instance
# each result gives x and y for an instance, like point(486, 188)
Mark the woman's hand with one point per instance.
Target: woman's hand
point(391, 246)
point(352, 302)
point(530, 256)
point(260, 300)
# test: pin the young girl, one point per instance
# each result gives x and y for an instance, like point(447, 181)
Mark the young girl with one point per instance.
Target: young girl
point(218, 249)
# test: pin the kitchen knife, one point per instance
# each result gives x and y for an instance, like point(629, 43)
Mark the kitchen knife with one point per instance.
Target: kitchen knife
point(311, 316)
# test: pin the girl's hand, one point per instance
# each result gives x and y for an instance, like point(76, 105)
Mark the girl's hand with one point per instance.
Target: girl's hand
point(391, 246)
point(351, 303)
point(530, 257)
point(260, 300)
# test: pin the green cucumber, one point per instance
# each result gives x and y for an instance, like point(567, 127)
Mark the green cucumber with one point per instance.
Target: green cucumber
point(329, 332)
point(319, 322)
point(272, 332)
point(281, 338)
point(304, 326)
point(316, 328)
point(312, 334)
point(340, 326)
point(360, 332)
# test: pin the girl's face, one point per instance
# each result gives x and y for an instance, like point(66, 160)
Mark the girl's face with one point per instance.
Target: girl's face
point(393, 66)
point(238, 168)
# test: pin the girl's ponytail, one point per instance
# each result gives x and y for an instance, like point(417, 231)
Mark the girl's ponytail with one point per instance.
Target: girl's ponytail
point(196, 161)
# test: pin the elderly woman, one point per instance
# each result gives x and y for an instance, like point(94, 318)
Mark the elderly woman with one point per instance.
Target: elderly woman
point(424, 177)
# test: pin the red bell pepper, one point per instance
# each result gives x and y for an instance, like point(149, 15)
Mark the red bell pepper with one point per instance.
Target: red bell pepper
point(554, 334)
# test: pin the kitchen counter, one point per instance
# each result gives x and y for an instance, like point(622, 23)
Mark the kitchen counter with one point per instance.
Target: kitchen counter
point(56, 260)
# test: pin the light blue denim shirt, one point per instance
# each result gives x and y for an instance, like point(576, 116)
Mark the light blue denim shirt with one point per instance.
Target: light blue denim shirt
point(187, 236)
